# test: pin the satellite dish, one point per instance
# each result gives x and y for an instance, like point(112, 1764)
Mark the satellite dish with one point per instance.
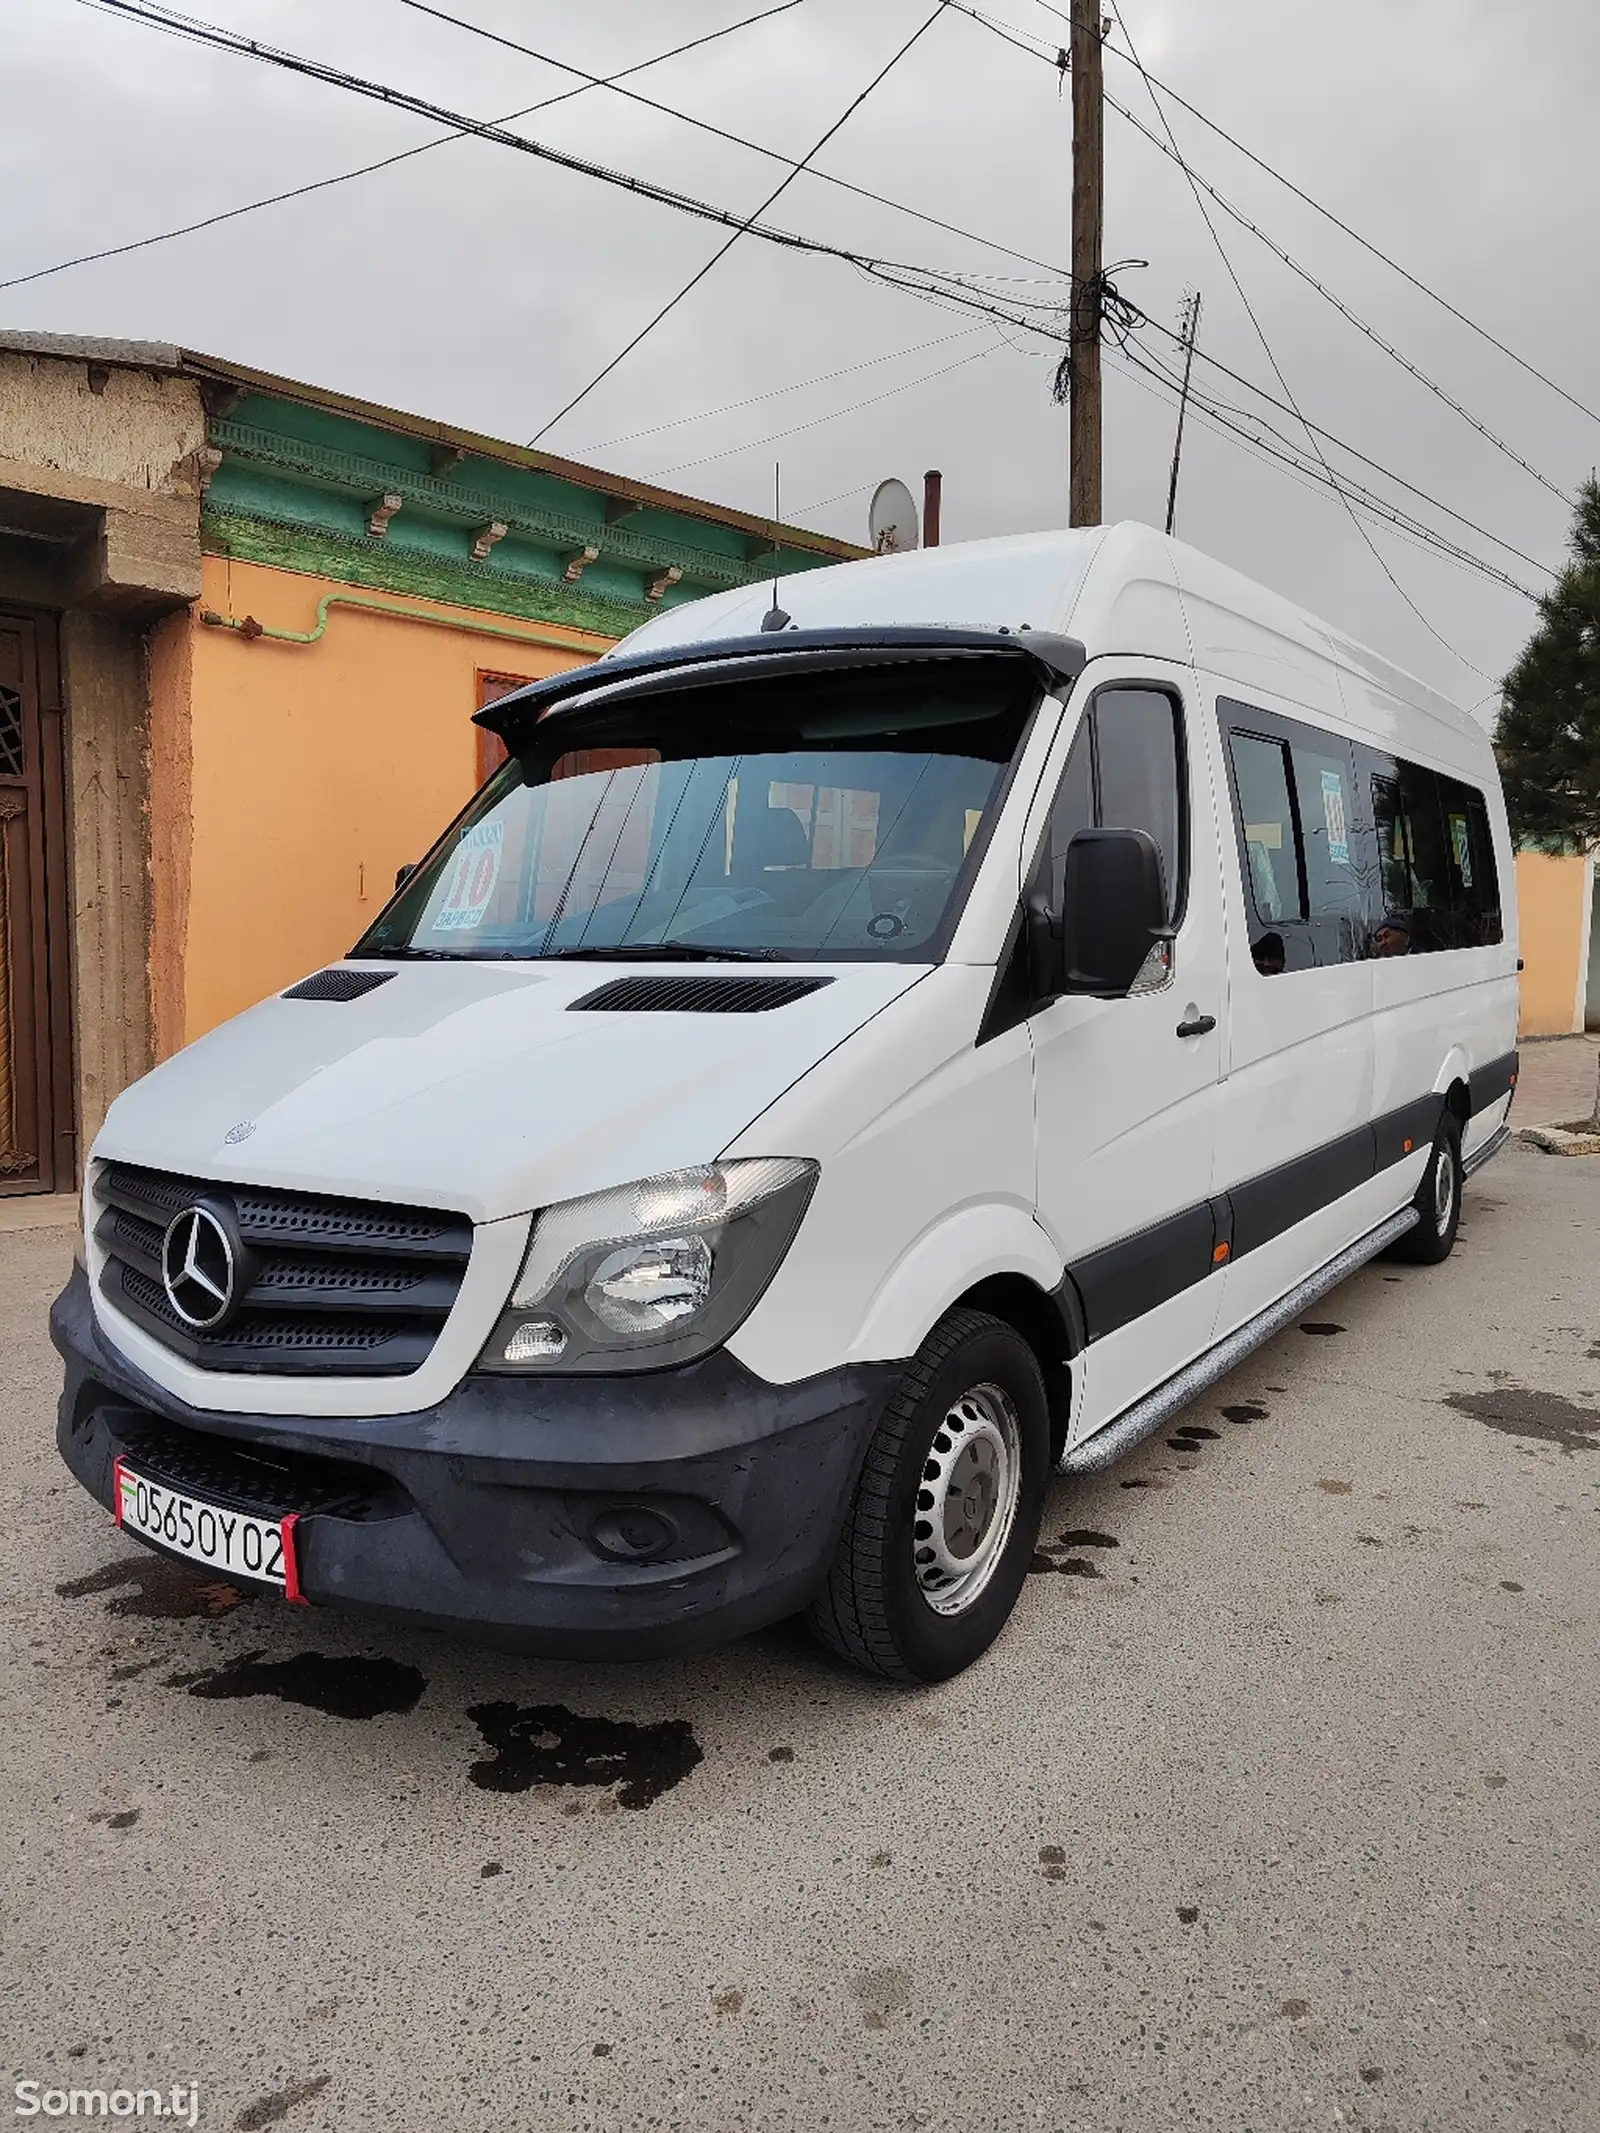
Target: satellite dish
point(892, 521)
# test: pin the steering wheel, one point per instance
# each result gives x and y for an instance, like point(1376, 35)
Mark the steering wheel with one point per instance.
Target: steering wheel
point(912, 863)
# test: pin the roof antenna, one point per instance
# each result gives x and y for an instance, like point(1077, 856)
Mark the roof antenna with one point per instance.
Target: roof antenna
point(775, 618)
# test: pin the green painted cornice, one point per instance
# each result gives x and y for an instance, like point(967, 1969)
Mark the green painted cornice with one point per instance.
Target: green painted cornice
point(311, 489)
point(351, 560)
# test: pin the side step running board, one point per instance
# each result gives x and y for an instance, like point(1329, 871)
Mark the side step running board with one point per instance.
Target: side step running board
point(1487, 1153)
point(1108, 1444)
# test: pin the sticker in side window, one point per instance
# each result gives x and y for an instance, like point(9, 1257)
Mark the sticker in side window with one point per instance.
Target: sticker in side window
point(1333, 812)
point(473, 874)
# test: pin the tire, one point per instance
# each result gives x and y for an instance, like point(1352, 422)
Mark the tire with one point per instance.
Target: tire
point(965, 1436)
point(1438, 1201)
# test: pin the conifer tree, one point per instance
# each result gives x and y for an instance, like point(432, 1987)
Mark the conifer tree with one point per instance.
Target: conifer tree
point(1548, 737)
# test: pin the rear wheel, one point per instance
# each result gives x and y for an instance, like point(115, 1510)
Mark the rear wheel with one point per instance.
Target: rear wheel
point(941, 1529)
point(1438, 1201)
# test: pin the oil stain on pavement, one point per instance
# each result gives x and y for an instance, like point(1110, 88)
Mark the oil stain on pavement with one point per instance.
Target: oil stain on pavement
point(546, 1744)
point(1060, 1555)
point(1519, 1411)
point(343, 1688)
point(160, 1590)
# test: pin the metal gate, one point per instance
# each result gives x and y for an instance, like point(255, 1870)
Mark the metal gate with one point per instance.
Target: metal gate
point(35, 1092)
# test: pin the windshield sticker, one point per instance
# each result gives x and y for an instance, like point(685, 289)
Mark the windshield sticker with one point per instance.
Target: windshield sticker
point(473, 875)
point(1333, 812)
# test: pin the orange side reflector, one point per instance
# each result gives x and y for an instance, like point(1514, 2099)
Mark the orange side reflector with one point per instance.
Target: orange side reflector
point(1406, 1150)
point(1220, 1253)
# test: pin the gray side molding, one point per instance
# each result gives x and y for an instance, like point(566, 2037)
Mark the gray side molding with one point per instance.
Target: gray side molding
point(1157, 1408)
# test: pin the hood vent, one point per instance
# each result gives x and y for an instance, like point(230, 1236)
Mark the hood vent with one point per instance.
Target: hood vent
point(696, 996)
point(338, 985)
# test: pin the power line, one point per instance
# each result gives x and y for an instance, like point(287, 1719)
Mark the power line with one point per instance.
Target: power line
point(777, 392)
point(1277, 369)
point(1361, 325)
point(495, 131)
point(721, 133)
point(732, 451)
point(1169, 148)
point(728, 244)
point(1355, 236)
point(1313, 475)
point(927, 285)
point(1377, 466)
point(365, 170)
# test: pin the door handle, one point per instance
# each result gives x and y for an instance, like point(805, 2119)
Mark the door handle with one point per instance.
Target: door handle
point(1201, 1026)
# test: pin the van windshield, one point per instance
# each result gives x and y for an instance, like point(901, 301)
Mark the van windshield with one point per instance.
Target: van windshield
point(823, 816)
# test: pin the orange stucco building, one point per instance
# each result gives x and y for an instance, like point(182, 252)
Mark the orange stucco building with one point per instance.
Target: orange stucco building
point(291, 780)
point(1558, 908)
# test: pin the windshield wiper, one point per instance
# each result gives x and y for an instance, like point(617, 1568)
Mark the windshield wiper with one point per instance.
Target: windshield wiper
point(665, 952)
point(416, 955)
point(445, 955)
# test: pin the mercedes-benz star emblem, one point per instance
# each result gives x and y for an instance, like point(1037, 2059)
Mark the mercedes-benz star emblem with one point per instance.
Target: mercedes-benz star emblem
point(198, 1268)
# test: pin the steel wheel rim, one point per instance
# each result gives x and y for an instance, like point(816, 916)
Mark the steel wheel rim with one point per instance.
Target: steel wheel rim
point(1444, 1190)
point(967, 1499)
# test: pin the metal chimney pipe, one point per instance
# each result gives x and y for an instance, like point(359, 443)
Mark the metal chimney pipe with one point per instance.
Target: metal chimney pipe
point(932, 495)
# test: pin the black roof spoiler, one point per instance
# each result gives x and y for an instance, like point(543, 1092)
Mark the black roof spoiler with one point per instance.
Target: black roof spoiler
point(1055, 659)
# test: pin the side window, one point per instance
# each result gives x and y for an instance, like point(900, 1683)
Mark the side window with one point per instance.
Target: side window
point(1324, 790)
point(1437, 884)
point(1300, 849)
point(1139, 776)
point(1475, 885)
point(1074, 803)
point(1271, 846)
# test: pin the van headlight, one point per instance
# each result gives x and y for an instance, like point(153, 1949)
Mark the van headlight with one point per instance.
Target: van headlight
point(650, 1274)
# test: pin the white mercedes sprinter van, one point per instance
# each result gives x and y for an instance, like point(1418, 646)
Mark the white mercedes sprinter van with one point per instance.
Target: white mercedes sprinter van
point(846, 1063)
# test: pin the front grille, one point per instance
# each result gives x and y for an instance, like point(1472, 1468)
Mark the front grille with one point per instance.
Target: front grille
point(328, 1286)
point(263, 1480)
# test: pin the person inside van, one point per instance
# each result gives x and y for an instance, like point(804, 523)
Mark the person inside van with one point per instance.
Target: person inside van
point(1393, 937)
point(1269, 954)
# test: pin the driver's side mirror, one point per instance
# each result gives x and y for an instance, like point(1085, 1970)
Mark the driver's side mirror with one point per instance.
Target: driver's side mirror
point(1107, 909)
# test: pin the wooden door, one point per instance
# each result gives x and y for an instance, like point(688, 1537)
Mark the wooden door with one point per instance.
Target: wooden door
point(36, 1153)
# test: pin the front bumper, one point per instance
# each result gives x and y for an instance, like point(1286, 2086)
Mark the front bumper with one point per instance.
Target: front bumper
point(513, 1511)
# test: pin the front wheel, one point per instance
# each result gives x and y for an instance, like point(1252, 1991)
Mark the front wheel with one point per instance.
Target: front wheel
point(941, 1528)
point(1438, 1201)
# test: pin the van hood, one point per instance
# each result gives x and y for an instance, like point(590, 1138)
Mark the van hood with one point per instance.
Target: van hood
point(473, 1086)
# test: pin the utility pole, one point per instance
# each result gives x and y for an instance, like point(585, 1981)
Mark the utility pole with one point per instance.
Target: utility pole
point(1088, 223)
point(1191, 326)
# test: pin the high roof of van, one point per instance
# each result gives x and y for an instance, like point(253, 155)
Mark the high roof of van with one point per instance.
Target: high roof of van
point(1117, 589)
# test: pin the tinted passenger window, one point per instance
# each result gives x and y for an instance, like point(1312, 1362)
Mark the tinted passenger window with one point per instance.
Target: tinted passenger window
point(1325, 791)
point(1294, 790)
point(1475, 880)
point(1437, 884)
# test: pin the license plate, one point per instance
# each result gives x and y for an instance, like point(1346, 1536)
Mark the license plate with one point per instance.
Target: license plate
point(234, 1543)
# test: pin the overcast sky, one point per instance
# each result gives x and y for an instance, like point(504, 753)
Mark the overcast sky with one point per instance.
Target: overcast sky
point(481, 287)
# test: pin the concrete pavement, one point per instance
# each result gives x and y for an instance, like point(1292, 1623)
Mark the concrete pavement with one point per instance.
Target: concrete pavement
point(1274, 1809)
point(1555, 1080)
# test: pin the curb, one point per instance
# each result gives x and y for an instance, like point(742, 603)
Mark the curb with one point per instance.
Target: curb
point(1562, 1140)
